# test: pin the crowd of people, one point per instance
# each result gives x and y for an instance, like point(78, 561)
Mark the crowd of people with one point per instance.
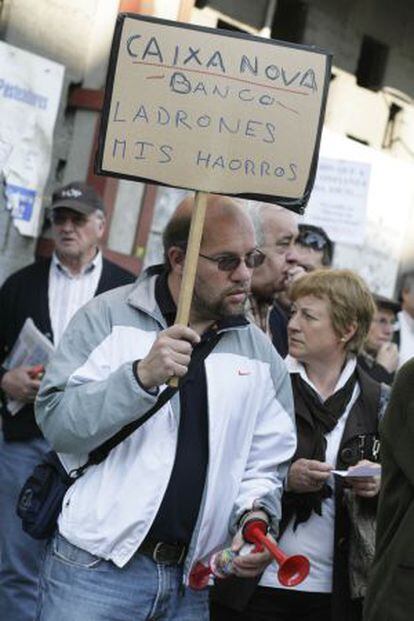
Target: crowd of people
point(288, 380)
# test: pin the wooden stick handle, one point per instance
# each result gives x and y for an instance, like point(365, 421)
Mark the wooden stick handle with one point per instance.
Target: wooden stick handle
point(190, 265)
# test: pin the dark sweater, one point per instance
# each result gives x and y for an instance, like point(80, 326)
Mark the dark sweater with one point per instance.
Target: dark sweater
point(278, 321)
point(177, 515)
point(374, 369)
point(390, 594)
point(25, 294)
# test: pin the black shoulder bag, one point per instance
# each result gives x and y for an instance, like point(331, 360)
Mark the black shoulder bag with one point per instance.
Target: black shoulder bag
point(40, 500)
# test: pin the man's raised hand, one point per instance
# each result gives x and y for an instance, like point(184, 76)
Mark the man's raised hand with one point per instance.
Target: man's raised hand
point(169, 356)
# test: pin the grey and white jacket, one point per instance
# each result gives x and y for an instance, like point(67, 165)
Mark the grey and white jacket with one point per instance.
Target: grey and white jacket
point(89, 392)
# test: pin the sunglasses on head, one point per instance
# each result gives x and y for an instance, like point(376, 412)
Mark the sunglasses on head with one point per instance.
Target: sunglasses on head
point(311, 239)
point(230, 262)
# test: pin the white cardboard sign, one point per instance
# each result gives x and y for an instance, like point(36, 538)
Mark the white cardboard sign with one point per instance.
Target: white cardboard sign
point(213, 111)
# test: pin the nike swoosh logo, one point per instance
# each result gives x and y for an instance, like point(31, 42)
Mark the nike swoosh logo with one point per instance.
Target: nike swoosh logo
point(244, 372)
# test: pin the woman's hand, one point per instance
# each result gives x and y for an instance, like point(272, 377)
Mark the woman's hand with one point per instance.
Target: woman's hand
point(307, 475)
point(366, 487)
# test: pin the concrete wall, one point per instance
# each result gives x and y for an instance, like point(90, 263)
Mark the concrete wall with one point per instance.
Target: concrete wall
point(340, 26)
point(359, 112)
point(78, 35)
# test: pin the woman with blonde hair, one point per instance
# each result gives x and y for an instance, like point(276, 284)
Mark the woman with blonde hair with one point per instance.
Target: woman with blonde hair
point(337, 407)
point(337, 410)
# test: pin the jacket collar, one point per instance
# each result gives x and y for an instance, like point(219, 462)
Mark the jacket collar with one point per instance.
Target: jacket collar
point(142, 296)
point(363, 417)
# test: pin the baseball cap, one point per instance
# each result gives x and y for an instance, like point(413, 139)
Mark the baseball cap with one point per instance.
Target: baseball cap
point(78, 196)
point(383, 303)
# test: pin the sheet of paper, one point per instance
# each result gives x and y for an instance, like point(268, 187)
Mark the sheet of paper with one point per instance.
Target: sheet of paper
point(30, 349)
point(360, 471)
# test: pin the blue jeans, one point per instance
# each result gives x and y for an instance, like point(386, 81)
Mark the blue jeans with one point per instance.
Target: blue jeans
point(20, 555)
point(78, 586)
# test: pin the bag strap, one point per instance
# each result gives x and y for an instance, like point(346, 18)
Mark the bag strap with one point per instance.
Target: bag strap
point(102, 451)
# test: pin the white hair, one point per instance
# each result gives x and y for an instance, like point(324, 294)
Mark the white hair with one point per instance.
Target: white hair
point(256, 213)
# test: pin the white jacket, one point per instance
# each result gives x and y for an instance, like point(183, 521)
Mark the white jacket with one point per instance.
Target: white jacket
point(90, 392)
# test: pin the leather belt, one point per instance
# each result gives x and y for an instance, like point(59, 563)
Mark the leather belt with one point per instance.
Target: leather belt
point(163, 553)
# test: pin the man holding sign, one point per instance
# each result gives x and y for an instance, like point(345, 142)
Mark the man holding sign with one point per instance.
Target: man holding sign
point(133, 528)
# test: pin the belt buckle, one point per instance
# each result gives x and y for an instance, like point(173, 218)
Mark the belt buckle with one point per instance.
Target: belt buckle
point(182, 555)
point(157, 549)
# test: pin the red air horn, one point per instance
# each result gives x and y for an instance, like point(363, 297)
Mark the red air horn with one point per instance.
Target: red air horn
point(292, 569)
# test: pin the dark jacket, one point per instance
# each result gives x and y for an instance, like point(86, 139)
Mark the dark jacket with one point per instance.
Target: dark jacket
point(374, 369)
point(362, 422)
point(278, 321)
point(25, 294)
point(390, 595)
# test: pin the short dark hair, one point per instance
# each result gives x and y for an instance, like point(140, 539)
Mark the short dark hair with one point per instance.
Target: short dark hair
point(176, 234)
point(311, 236)
point(387, 304)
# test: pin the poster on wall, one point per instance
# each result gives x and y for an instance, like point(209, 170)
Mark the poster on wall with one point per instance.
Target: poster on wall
point(214, 111)
point(338, 202)
point(30, 90)
point(370, 194)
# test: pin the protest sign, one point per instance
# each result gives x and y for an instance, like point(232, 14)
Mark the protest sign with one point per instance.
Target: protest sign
point(30, 89)
point(339, 199)
point(213, 111)
point(363, 198)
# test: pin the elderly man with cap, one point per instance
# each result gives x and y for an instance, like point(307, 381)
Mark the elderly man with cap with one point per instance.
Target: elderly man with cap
point(49, 292)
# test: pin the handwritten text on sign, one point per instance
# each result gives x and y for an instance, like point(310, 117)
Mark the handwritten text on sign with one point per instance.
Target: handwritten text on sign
point(339, 199)
point(195, 109)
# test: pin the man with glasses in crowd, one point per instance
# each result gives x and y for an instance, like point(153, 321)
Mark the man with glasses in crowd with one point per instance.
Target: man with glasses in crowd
point(276, 231)
point(312, 250)
point(49, 292)
point(134, 527)
point(379, 357)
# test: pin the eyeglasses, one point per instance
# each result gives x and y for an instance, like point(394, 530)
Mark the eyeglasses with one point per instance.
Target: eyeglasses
point(312, 239)
point(230, 262)
point(77, 219)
